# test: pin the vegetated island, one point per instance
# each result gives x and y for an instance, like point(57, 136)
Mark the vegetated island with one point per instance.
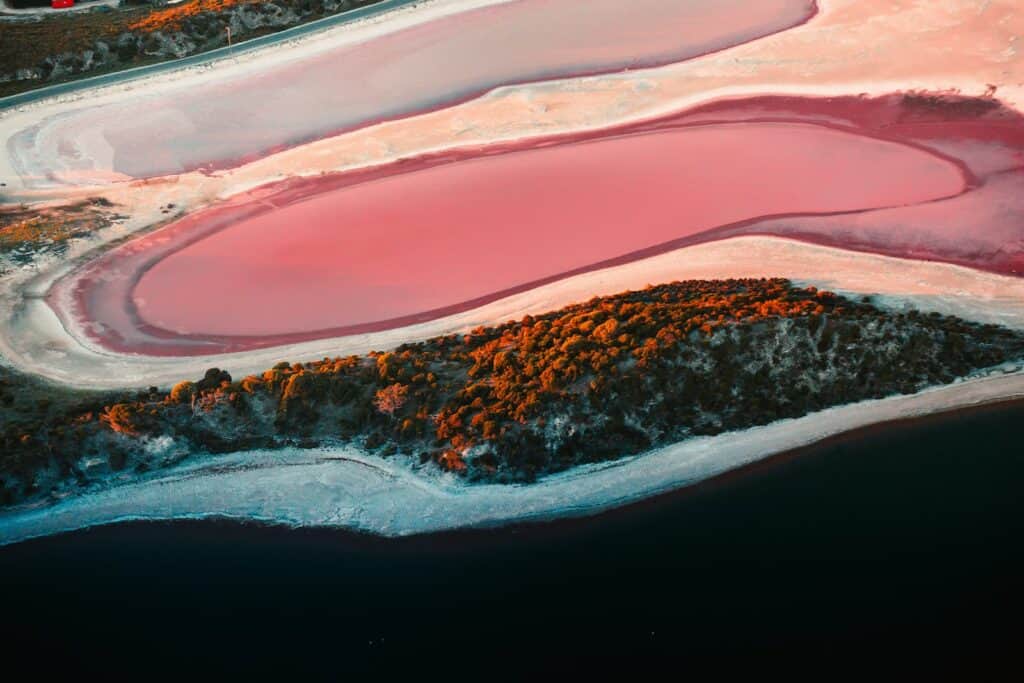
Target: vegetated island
point(595, 381)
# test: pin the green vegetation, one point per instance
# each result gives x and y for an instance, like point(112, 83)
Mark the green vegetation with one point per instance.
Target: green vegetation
point(599, 380)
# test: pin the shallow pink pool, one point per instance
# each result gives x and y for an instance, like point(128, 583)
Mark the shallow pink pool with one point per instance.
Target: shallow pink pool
point(342, 254)
point(436, 63)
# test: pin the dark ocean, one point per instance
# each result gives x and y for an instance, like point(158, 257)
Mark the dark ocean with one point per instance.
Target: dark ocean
point(900, 544)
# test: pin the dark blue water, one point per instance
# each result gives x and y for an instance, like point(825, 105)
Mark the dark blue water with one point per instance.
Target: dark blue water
point(899, 541)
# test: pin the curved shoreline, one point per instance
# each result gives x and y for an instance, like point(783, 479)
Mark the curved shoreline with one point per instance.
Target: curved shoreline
point(117, 274)
point(344, 488)
point(642, 505)
point(521, 112)
point(34, 340)
point(37, 152)
point(884, 119)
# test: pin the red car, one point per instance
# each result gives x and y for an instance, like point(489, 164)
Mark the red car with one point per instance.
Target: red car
point(60, 4)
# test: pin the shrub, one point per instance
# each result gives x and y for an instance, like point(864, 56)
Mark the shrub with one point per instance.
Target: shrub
point(183, 392)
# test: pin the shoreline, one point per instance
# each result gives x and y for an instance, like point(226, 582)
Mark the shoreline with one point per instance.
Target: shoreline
point(172, 75)
point(390, 20)
point(71, 295)
point(596, 103)
point(33, 339)
point(344, 488)
point(556, 526)
point(799, 558)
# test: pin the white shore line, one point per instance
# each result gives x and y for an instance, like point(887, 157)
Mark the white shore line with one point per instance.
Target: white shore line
point(365, 493)
point(33, 340)
point(346, 489)
point(813, 59)
point(227, 68)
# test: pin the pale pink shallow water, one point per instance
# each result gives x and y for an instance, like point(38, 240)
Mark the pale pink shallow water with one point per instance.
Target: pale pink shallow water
point(336, 255)
point(445, 233)
point(982, 228)
point(423, 240)
point(435, 63)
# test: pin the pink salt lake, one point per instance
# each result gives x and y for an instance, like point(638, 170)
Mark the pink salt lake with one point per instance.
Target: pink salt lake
point(310, 259)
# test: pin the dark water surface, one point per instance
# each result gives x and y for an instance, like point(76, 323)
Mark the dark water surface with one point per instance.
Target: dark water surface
point(904, 540)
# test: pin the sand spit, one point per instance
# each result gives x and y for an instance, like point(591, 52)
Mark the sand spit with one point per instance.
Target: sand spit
point(344, 488)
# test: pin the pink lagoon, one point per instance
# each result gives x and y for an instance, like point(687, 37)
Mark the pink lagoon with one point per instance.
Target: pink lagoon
point(413, 241)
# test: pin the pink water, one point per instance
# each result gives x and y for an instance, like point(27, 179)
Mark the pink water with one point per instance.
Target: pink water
point(309, 259)
point(436, 63)
point(982, 228)
point(427, 239)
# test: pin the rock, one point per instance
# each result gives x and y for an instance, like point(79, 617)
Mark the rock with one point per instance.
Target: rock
point(127, 46)
point(74, 62)
point(58, 65)
point(179, 45)
point(213, 379)
point(33, 74)
point(153, 44)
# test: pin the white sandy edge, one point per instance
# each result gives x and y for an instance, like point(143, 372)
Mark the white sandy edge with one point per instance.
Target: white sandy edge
point(345, 488)
point(806, 60)
point(33, 340)
point(229, 68)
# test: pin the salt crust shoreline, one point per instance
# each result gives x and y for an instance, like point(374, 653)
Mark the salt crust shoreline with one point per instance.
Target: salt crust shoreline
point(309, 45)
point(34, 340)
point(917, 44)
